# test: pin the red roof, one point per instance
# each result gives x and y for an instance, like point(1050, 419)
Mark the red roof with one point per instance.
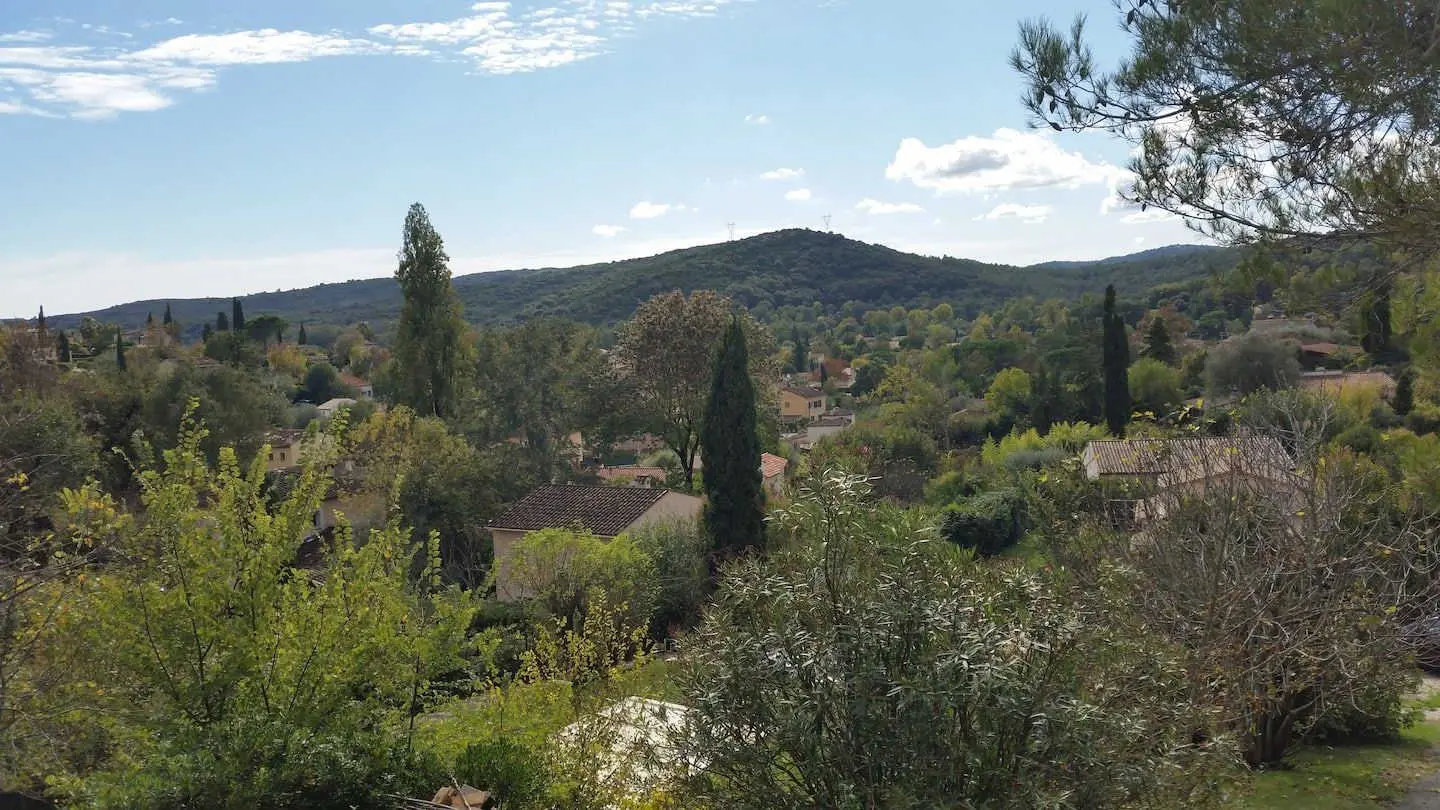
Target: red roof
point(772, 465)
point(353, 381)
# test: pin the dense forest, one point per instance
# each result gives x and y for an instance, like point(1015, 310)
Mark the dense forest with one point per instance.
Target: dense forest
point(772, 270)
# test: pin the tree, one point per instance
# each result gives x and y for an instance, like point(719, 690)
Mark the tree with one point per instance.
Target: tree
point(560, 572)
point(1375, 333)
point(987, 523)
point(1157, 341)
point(1116, 364)
point(1009, 394)
point(1249, 363)
point(206, 331)
point(302, 338)
point(1263, 120)
point(428, 340)
point(322, 383)
point(265, 327)
point(222, 322)
point(1154, 386)
point(62, 346)
point(40, 322)
point(1404, 400)
point(868, 667)
point(800, 352)
point(149, 321)
point(168, 318)
point(730, 449)
point(119, 352)
point(237, 315)
point(665, 355)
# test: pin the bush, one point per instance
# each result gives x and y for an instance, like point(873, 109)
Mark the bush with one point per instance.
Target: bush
point(512, 772)
point(1360, 438)
point(1249, 363)
point(989, 523)
point(678, 551)
point(1154, 387)
point(560, 572)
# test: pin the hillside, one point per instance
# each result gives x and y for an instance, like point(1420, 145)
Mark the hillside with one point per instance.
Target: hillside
point(783, 268)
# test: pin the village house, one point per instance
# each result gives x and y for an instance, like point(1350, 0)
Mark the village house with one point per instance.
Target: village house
point(1334, 382)
point(817, 430)
point(801, 403)
point(772, 471)
point(605, 512)
point(632, 474)
point(1153, 472)
point(330, 407)
point(360, 386)
point(285, 448)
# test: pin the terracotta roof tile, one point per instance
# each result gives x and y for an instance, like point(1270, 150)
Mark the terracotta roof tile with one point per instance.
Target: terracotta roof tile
point(1176, 456)
point(805, 391)
point(604, 511)
point(772, 465)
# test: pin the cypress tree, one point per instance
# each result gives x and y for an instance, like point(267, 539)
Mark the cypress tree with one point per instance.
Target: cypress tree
point(800, 360)
point(40, 322)
point(237, 315)
point(1116, 364)
point(1404, 401)
point(730, 450)
point(205, 332)
point(168, 319)
point(222, 322)
point(302, 339)
point(62, 346)
point(149, 319)
point(1157, 341)
point(119, 352)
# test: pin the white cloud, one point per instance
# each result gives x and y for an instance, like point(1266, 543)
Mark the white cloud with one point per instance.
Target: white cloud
point(1006, 160)
point(757, 119)
point(878, 208)
point(782, 174)
point(1029, 214)
point(1132, 213)
point(798, 195)
point(264, 47)
point(650, 210)
point(607, 231)
point(26, 37)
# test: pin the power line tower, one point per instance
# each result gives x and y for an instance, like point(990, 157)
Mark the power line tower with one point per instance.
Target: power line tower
point(827, 222)
point(731, 226)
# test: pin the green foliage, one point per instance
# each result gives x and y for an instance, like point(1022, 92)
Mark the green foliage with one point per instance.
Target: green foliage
point(565, 573)
point(1009, 393)
point(322, 384)
point(1249, 363)
point(233, 679)
point(680, 552)
point(789, 668)
point(119, 352)
point(988, 523)
point(1404, 399)
point(237, 315)
point(730, 450)
point(1116, 362)
point(236, 407)
point(1154, 386)
point(1158, 345)
point(429, 349)
point(1019, 450)
point(511, 771)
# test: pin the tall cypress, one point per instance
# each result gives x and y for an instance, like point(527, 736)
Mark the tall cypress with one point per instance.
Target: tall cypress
point(168, 319)
point(205, 332)
point(730, 450)
point(222, 322)
point(237, 315)
point(40, 323)
point(119, 352)
point(62, 346)
point(1116, 363)
point(302, 339)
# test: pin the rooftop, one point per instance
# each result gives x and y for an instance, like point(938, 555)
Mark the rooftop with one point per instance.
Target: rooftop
point(603, 511)
point(805, 391)
point(1172, 456)
point(772, 465)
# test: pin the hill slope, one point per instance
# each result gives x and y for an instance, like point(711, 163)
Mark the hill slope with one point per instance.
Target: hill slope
point(783, 268)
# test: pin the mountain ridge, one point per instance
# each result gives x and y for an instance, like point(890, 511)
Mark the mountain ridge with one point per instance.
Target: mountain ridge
point(794, 267)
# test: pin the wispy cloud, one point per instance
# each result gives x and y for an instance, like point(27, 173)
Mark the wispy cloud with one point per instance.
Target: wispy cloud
point(83, 75)
point(756, 119)
point(607, 231)
point(652, 210)
point(1009, 159)
point(783, 174)
point(878, 208)
point(798, 195)
point(1029, 214)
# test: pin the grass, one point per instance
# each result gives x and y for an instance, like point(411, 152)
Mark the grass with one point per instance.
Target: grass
point(1352, 777)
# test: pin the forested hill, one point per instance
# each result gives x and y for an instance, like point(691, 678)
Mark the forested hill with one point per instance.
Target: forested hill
point(782, 268)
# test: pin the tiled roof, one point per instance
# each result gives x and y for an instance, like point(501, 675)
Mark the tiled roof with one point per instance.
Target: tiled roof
point(772, 465)
point(1320, 348)
point(1176, 456)
point(805, 391)
point(630, 471)
point(604, 511)
point(284, 437)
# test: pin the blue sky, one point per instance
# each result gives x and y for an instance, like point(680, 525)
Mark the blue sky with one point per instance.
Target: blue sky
point(175, 148)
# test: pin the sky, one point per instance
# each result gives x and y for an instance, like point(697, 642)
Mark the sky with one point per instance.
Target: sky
point(182, 148)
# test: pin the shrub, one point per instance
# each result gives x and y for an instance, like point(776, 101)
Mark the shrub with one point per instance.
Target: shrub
point(560, 573)
point(1249, 363)
point(1154, 387)
point(678, 551)
point(511, 771)
point(989, 523)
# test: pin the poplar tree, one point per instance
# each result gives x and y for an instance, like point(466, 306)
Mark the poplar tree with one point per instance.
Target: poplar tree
point(730, 450)
point(1116, 363)
point(429, 335)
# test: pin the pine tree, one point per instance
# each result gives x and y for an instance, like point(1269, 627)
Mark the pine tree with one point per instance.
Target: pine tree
point(222, 322)
point(428, 339)
point(119, 352)
point(730, 450)
point(1404, 400)
point(168, 319)
point(1157, 341)
point(62, 346)
point(237, 315)
point(302, 339)
point(40, 323)
point(1116, 364)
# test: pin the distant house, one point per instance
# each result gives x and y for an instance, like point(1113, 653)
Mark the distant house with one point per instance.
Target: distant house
point(1333, 382)
point(284, 449)
point(360, 386)
point(819, 429)
point(633, 474)
point(605, 512)
point(801, 402)
point(330, 407)
point(772, 470)
point(1160, 469)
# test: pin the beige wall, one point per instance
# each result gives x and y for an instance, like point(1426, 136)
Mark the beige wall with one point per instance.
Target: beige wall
point(794, 406)
point(504, 540)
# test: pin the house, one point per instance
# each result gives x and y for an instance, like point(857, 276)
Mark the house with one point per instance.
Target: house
point(330, 407)
point(819, 429)
point(605, 512)
point(801, 402)
point(1156, 471)
point(1334, 382)
point(772, 471)
point(284, 449)
point(358, 385)
point(633, 474)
